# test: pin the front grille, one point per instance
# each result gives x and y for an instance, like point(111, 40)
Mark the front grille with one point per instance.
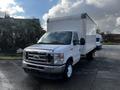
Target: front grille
point(36, 57)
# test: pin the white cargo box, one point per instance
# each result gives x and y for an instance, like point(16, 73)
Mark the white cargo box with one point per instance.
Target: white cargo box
point(82, 24)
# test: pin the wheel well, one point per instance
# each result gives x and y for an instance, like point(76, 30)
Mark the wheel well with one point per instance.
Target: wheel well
point(70, 60)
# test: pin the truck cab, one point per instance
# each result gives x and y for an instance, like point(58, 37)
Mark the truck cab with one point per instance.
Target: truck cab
point(55, 52)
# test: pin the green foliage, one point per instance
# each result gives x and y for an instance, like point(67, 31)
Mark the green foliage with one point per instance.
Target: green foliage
point(6, 56)
point(19, 33)
point(98, 31)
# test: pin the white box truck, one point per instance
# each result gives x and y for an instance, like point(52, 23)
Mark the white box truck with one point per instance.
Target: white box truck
point(67, 39)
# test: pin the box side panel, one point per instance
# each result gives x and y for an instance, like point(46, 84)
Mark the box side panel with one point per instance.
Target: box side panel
point(71, 24)
point(90, 35)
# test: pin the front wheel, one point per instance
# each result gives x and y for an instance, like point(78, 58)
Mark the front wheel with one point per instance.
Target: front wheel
point(68, 71)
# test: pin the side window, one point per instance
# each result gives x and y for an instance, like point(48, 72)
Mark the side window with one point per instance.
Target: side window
point(75, 37)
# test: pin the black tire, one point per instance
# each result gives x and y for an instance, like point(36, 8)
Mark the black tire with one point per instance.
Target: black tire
point(68, 72)
point(90, 56)
point(26, 71)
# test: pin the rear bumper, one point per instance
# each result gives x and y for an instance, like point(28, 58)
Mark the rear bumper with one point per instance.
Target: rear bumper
point(51, 69)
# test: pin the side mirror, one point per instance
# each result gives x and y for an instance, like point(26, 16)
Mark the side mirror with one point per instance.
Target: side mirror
point(75, 42)
point(82, 41)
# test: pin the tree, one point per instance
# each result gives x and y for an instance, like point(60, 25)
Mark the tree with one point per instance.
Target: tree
point(19, 33)
point(98, 31)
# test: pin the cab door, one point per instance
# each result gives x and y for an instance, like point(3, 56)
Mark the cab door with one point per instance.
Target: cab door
point(76, 47)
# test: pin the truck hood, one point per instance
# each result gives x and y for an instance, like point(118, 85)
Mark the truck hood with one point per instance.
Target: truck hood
point(45, 48)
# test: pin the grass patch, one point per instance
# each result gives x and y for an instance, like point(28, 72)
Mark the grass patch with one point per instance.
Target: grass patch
point(4, 56)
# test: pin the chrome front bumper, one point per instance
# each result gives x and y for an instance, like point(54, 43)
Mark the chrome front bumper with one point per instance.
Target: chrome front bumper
point(44, 68)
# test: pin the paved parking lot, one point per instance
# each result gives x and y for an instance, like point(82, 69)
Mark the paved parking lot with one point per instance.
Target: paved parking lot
point(103, 73)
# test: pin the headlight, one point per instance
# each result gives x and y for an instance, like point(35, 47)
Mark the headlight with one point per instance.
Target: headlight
point(58, 58)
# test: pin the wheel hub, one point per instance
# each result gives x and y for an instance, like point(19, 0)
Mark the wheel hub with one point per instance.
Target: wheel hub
point(69, 72)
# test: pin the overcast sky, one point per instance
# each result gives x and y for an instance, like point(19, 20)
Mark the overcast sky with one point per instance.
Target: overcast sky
point(105, 12)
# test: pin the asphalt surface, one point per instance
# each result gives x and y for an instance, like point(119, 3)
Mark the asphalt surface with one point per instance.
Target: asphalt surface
point(103, 73)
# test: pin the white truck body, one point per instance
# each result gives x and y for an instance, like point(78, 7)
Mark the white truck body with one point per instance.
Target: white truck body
point(60, 57)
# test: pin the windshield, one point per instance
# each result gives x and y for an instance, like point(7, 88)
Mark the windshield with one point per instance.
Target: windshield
point(56, 38)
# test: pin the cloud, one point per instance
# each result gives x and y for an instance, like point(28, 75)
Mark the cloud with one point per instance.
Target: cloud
point(11, 7)
point(16, 16)
point(118, 21)
point(100, 3)
point(116, 31)
point(62, 8)
point(104, 12)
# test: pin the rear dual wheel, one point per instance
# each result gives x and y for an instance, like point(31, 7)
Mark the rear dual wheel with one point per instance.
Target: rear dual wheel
point(90, 56)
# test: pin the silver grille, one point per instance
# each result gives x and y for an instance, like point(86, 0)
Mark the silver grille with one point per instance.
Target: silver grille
point(36, 57)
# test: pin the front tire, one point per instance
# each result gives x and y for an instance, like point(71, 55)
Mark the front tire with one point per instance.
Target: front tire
point(68, 71)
